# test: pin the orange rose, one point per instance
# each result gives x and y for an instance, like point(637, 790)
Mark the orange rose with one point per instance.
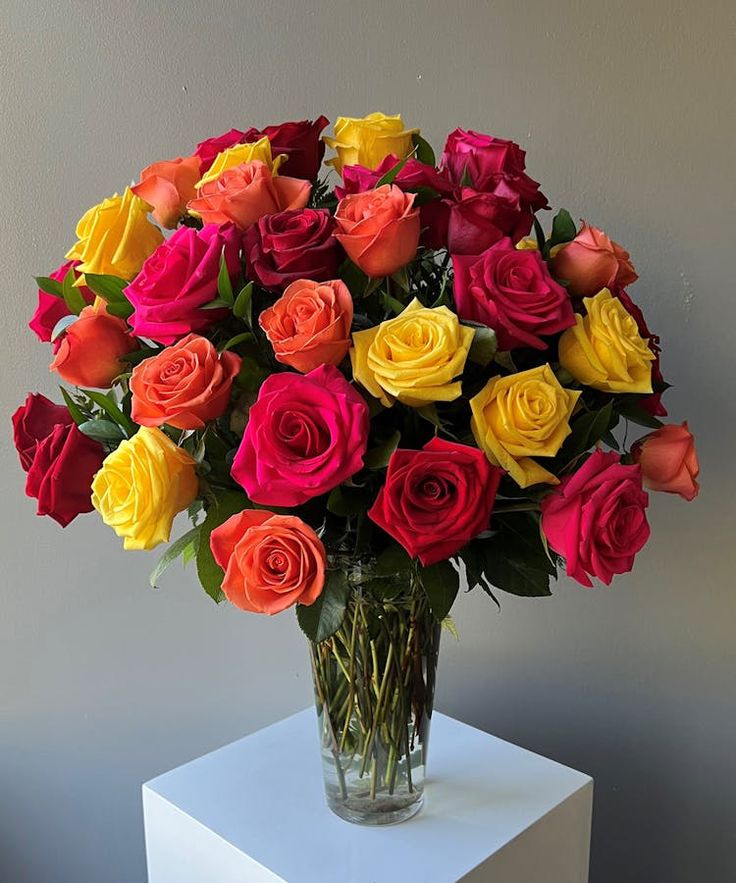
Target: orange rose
point(270, 561)
point(591, 262)
point(185, 386)
point(247, 192)
point(309, 325)
point(92, 348)
point(168, 186)
point(669, 461)
point(379, 229)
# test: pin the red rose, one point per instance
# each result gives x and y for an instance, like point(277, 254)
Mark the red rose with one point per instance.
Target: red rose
point(596, 518)
point(478, 220)
point(436, 500)
point(33, 422)
point(51, 308)
point(208, 149)
point(653, 403)
point(291, 245)
point(301, 143)
point(511, 291)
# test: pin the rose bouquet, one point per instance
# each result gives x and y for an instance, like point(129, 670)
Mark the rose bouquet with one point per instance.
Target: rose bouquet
point(357, 393)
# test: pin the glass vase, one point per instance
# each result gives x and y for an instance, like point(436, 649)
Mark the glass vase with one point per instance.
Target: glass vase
point(374, 689)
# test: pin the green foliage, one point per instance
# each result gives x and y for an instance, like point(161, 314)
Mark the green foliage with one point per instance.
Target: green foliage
point(391, 174)
point(188, 541)
point(224, 504)
point(423, 150)
point(322, 619)
point(243, 305)
point(441, 583)
point(50, 286)
point(224, 286)
point(102, 430)
point(73, 297)
point(74, 410)
point(484, 346)
point(378, 457)
point(563, 229)
point(108, 404)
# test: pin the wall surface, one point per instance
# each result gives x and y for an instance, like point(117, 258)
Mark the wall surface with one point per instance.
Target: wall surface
point(627, 113)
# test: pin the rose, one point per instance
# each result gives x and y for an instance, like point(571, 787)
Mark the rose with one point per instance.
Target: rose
point(669, 461)
point(51, 308)
point(591, 262)
point(309, 325)
point(208, 149)
point(520, 417)
point(168, 186)
point(270, 561)
point(379, 229)
point(368, 140)
point(436, 500)
point(512, 291)
point(605, 350)
point(258, 150)
point(414, 358)
point(299, 142)
point(186, 385)
point(115, 237)
point(246, 193)
point(478, 220)
point(92, 348)
point(142, 485)
point(180, 279)
point(305, 435)
point(596, 518)
point(292, 245)
point(653, 403)
point(33, 422)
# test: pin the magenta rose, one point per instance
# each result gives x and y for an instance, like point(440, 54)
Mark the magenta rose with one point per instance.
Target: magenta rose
point(653, 403)
point(476, 221)
point(596, 518)
point(299, 141)
point(306, 434)
point(33, 422)
point(51, 308)
point(511, 291)
point(436, 500)
point(208, 149)
point(179, 279)
point(291, 245)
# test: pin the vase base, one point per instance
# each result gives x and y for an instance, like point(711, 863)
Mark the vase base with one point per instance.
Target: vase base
point(379, 812)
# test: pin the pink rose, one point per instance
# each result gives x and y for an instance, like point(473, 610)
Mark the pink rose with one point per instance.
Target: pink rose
point(305, 435)
point(208, 149)
point(669, 461)
point(51, 308)
point(596, 518)
point(511, 291)
point(179, 279)
point(593, 261)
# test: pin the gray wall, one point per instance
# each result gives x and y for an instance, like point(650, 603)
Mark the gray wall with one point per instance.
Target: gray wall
point(627, 112)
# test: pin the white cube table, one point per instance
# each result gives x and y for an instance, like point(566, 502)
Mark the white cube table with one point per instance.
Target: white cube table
point(255, 811)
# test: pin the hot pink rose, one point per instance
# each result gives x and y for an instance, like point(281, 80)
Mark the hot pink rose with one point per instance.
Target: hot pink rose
point(596, 518)
point(208, 149)
point(511, 291)
point(593, 261)
point(51, 308)
point(299, 141)
point(305, 435)
point(179, 279)
point(669, 461)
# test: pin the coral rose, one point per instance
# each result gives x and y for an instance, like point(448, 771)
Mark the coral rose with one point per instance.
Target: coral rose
point(142, 485)
point(305, 435)
point(33, 422)
point(436, 500)
point(299, 142)
point(309, 325)
point(270, 561)
point(168, 186)
point(379, 229)
point(247, 192)
point(51, 308)
point(369, 140)
point(92, 349)
point(669, 461)
point(186, 385)
point(596, 518)
point(593, 261)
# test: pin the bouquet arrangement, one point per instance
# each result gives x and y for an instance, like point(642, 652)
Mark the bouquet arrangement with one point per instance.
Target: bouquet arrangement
point(356, 392)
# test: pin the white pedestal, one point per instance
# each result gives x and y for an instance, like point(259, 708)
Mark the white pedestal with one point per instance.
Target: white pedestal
point(255, 811)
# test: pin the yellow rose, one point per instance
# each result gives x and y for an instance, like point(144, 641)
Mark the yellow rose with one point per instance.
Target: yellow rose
point(414, 358)
point(141, 487)
point(240, 153)
point(115, 237)
point(522, 416)
point(605, 350)
point(369, 140)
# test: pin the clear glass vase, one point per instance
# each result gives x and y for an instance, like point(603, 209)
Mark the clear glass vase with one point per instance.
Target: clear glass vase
point(374, 690)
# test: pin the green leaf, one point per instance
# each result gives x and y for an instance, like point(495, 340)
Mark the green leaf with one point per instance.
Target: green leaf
point(102, 430)
point(632, 410)
point(505, 360)
point(393, 560)
point(466, 180)
point(322, 619)
point(177, 548)
point(391, 304)
point(390, 175)
point(121, 310)
point(541, 238)
point(62, 325)
point(563, 228)
point(346, 501)
point(109, 288)
point(515, 560)
point(484, 346)
point(226, 504)
point(72, 296)
point(441, 583)
point(74, 410)
point(243, 306)
point(49, 285)
point(588, 428)
point(140, 355)
point(378, 457)
point(217, 304)
point(423, 150)
point(112, 409)
point(234, 341)
point(429, 413)
point(224, 285)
